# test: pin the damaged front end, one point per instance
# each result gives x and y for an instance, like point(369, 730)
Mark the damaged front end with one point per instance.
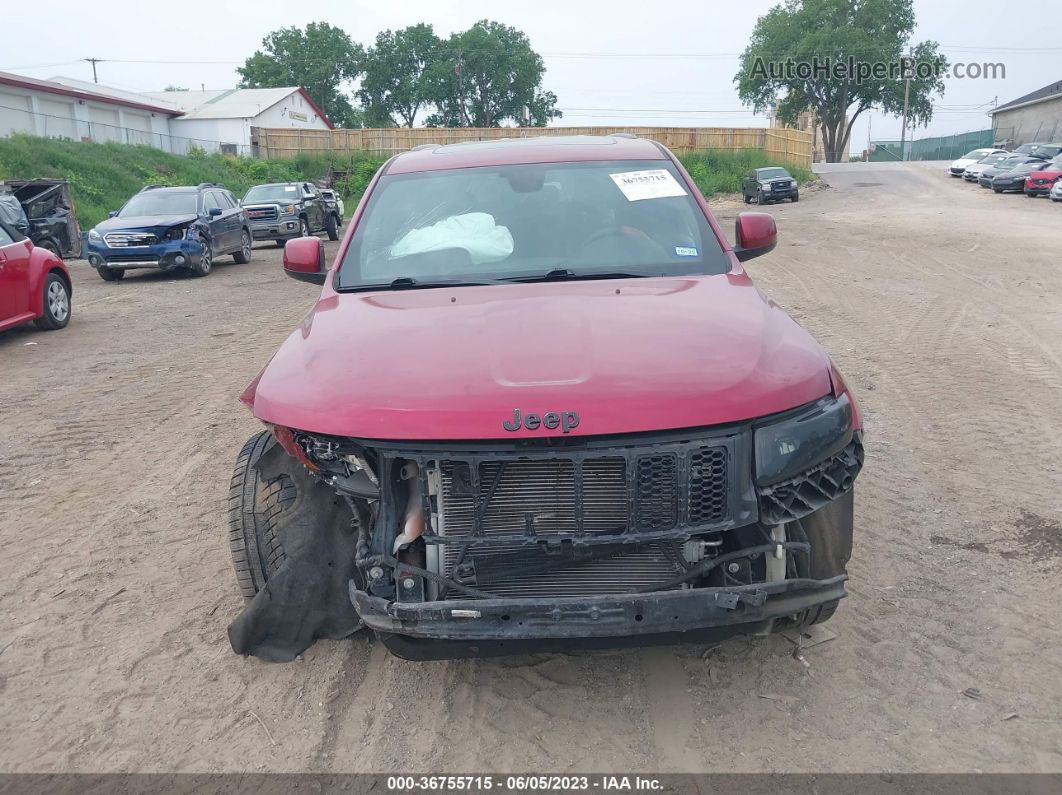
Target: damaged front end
point(449, 549)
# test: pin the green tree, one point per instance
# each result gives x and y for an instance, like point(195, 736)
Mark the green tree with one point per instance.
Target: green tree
point(397, 75)
point(488, 75)
point(319, 59)
point(832, 31)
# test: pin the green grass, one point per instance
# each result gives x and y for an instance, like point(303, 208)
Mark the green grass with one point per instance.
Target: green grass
point(104, 175)
point(721, 170)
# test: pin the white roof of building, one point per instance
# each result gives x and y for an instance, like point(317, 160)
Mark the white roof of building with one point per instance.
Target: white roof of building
point(232, 103)
point(103, 92)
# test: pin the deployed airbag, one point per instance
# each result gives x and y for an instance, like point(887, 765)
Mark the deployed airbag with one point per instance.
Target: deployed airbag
point(476, 233)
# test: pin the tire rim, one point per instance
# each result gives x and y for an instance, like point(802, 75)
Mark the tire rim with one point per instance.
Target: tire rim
point(245, 249)
point(304, 228)
point(58, 301)
point(205, 260)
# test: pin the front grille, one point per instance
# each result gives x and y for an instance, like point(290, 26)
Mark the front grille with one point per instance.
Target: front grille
point(262, 213)
point(782, 184)
point(656, 492)
point(129, 258)
point(537, 496)
point(127, 239)
point(587, 516)
point(708, 485)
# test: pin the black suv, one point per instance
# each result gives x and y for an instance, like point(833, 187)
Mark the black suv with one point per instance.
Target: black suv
point(169, 229)
point(772, 184)
point(283, 210)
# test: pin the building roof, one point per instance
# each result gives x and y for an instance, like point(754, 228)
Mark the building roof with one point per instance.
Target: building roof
point(1050, 91)
point(78, 90)
point(533, 149)
point(232, 103)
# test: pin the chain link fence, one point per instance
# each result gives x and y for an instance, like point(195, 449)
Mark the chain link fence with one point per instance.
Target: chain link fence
point(947, 147)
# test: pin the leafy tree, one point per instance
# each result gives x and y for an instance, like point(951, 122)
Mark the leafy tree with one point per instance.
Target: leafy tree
point(398, 73)
point(487, 75)
point(868, 32)
point(319, 59)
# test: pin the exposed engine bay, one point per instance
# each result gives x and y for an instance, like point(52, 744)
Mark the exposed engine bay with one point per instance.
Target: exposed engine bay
point(547, 539)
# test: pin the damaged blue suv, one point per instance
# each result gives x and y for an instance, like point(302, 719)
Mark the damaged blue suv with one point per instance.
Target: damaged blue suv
point(171, 229)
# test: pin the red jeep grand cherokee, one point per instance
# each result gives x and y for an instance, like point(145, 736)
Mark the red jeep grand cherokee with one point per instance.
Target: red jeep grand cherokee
point(539, 403)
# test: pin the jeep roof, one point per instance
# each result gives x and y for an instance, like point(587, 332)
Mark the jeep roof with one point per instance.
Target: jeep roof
point(517, 151)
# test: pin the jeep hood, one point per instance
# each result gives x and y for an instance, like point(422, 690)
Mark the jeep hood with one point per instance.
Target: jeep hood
point(626, 355)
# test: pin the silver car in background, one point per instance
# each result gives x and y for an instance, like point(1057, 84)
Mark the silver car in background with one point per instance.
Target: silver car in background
point(972, 172)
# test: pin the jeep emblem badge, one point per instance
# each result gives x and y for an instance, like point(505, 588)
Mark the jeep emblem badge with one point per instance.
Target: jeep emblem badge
point(551, 420)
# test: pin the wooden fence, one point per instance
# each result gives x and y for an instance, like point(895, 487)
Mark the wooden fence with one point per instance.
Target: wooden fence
point(790, 146)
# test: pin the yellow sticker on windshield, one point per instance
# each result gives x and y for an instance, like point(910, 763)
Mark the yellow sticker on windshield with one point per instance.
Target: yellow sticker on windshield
point(656, 183)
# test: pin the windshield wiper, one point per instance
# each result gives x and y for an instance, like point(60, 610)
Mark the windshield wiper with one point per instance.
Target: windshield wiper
point(411, 283)
point(561, 274)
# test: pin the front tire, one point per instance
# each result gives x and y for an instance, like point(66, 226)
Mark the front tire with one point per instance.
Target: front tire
point(254, 503)
point(243, 255)
point(56, 311)
point(332, 227)
point(796, 198)
point(998, 190)
point(110, 274)
point(49, 245)
point(304, 227)
point(206, 261)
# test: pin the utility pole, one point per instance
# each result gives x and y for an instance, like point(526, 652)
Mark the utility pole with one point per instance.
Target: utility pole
point(93, 61)
point(869, 119)
point(906, 95)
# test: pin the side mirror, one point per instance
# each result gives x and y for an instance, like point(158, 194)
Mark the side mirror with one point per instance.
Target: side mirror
point(755, 234)
point(214, 212)
point(112, 214)
point(304, 259)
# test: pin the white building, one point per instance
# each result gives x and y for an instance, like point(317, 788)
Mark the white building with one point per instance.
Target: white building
point(228, 116)
point(52, 109)
point(175, 121)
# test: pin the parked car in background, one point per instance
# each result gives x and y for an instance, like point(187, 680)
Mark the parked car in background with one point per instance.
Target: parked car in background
point(957, 167)
point(1007, 164)
point(1043, 179)
point(282, 211)
point(1044, 151)
point(48, 210)
point(334, 197)
point(974, 170)
point(171, 229)
point(1056, 191)
point(1014, 180)
point(35, 285)
point(772, 184)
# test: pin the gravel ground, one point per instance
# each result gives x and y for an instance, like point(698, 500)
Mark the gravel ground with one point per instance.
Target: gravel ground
point(942, 302)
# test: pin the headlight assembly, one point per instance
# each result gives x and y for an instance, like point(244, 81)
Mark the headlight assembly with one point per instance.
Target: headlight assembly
point(289, 210)
point(94, 235)
point(177, 234)
point(791, 446)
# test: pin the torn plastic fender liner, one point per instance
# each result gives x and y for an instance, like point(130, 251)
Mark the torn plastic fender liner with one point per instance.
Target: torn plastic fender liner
point(306, 598)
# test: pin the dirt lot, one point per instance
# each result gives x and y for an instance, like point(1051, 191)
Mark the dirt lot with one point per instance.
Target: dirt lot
point(942, 303)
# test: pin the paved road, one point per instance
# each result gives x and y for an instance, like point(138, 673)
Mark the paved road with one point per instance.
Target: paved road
point(941, 302)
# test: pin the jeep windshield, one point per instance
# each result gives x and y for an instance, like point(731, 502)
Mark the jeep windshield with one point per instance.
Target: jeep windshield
point(152, 203)
point(601, 219)
point(271, 193)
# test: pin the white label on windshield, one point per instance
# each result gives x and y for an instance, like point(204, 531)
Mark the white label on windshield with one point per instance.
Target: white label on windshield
point(654, 184)
point(289, 188)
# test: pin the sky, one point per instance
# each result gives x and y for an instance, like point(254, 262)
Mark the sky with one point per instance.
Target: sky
point(610, 62)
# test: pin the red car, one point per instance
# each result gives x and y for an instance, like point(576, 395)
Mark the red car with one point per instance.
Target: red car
point(34, 283)
point(539, 403)
point(1039, 183)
